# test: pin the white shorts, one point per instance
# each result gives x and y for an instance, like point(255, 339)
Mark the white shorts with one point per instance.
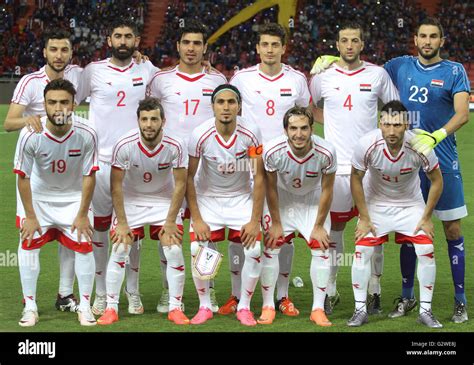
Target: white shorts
point(297, 213)
point(102, 199)
point(56, 219)
point(342, 207)
point(138, 216)
point(219, 213)
point(401, 220)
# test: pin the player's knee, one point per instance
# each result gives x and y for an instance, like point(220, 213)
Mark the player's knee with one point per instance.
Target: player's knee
point(195, 247)
point(121, 249)
point(271, 253)
point(452, 230)
point(425, 253)
point(363, 254)
point(173, 253)
point(253, 251)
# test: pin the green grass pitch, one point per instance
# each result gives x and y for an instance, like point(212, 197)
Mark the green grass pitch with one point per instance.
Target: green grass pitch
point(150, 278)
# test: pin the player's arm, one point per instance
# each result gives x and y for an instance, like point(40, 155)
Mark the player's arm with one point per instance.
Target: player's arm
point(122, 232)
point(15, 120)
point(171, 234)
point(275, 231)
point(436, 188)
point(319, 233)
point(364, 226)
point(424, 142)
point(318, 113)
point(201, 229)
point(30, 225)
point(81, 222)
point(250, 231)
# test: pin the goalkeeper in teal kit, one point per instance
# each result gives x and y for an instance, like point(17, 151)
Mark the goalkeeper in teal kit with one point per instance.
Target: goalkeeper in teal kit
point(436, 92)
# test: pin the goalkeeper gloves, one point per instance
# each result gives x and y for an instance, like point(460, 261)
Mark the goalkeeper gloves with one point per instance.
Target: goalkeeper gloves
point(322, 63)
point(424, 142)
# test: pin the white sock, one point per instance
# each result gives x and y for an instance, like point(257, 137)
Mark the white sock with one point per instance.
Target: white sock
point(319, 271)
point(250, 275)
point(286, 262)
point(376, 270)
point(85, 268)
point(361, 275)
point(236, 262)
point(29, 265)
point(269, 276)
point(116, 273)
point(133, 268)
point(337, 237)
point(176, 275)
point(426, 273)
point(202, 286)
point(213, 246)
point(163, 264)
point(66, 271)
point(101, 255)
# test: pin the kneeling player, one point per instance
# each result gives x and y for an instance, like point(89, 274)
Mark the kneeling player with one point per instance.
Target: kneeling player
point(300, 169)
point(391, 201)
point(145, 162)
point(63, 158)
point(222, 195)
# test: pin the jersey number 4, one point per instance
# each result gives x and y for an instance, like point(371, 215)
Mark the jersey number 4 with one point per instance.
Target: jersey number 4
point(348, 102)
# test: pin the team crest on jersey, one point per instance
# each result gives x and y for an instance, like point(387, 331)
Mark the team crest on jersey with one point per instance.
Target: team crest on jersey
point(163, 166)
point(406, 171)
point(207, 92)
point(138, 81)
point(437, 83)
point(285, 92)
point(240, 155)
point(311, 174)
point(74, 153)
point(365, 87)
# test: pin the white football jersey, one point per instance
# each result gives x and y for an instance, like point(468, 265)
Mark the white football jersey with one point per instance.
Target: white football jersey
point(30, 89)
point(225, 167)
point(299, 175)
point(350, 105)
point(57, 163)
point(114, 95)
point(391, 180)
point(266, 99)
point(149, 173)
point(186, 99)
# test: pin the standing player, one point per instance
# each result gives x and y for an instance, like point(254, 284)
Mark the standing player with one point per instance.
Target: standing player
point(115, 86)
point(351, 89)
point(26, 110)
point(185, 93)
point(268, 90)
point(391, 201)
point(301, 170)
point(144, 164)
point(220, 194)
point(437, 92)
point(64, 160)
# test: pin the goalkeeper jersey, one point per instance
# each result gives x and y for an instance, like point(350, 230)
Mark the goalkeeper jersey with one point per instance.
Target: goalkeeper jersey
point(428, 93)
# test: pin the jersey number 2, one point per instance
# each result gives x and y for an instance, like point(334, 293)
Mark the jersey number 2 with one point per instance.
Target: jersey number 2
point(121, 95)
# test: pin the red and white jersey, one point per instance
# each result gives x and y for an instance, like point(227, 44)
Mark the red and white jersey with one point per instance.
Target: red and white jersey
point(57, 163)
point(265, 99)
point(225, 167)
point(300, 175)
point(350, 105)
point(30, 89)
point(186, 99)
point(391, 180)
point(148, 173)
point(114, 95)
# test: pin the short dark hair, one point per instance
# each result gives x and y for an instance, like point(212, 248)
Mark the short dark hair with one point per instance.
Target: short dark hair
point(228, 87)
point(123, 22)
point(193, 26)
point(351, 25)
point(431, 21)
point(56, 33)
point(298, 111)
point(149, 104)
point(60, 84)
point(394, 108)
point(273, 29)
